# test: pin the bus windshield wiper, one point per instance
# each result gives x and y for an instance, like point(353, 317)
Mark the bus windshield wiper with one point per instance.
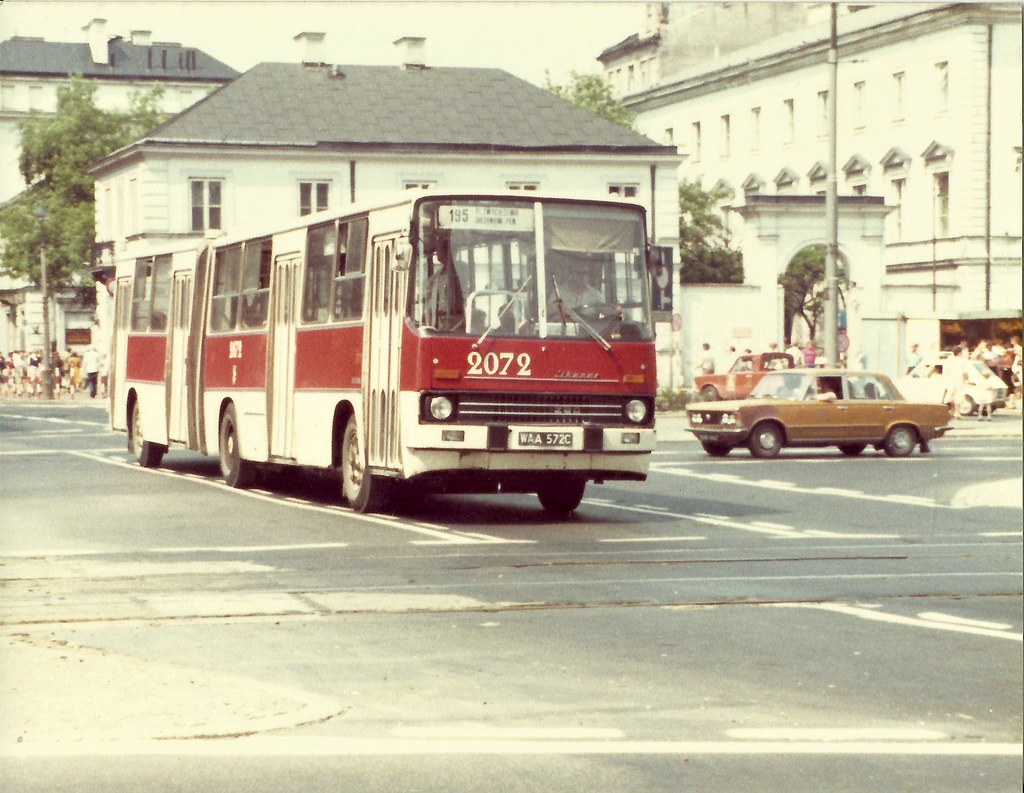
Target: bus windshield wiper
point(565, 310)
point(504, 309)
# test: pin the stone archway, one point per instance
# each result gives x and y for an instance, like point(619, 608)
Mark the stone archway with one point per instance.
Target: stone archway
point(803, 284)
point(777, 227)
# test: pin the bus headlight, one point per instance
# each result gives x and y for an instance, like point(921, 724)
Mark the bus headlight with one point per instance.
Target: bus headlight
point(636, 410)
point(441, 408)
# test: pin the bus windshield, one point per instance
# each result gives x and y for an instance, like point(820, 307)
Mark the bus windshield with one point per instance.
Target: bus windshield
point(530, 268)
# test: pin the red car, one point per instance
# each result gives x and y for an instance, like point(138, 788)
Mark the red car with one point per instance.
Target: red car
point(740, 380)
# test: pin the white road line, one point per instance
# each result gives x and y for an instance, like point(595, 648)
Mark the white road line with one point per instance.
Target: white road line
point(654, 539)
point(52, 553)
point(836, 734)
point(953, 620)
point(311, 746)
point(436, 532)
point(789, 487)
point(897, 619)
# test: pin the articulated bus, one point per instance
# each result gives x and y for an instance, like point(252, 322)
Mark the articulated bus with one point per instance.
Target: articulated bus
point(447, 342)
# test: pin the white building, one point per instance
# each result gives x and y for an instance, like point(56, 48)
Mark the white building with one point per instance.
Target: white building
point(285, 139)
point(929, 120)
point(31, 70)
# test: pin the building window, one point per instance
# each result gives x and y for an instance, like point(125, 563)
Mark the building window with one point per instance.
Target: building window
point(419, 184)
point(788, 121)
point(670, 136)
point(897, 189)
point(313, 197)
point(726, 135)
point(35, 97)
point(696, 141)
point(941, 87)
point(755, 128)
point(859, 90)
point(624, 190)
point(941, 182)
point(206, 203)
point(822, 113)
point(526, 186)
point(897, 96)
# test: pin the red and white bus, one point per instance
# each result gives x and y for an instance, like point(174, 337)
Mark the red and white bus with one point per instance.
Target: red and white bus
point(432, 343)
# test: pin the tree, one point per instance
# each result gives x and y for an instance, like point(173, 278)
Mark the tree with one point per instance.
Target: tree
point(705, 252)
point(56, 154)
point(594, 93)
point(803, 283)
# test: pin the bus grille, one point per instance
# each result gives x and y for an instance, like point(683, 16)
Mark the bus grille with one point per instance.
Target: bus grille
point(540, 408)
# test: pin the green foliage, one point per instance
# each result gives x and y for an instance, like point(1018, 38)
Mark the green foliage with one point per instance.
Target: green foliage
point(705, 252)
point(56, 154)
point(594, 93)
point(800, 281)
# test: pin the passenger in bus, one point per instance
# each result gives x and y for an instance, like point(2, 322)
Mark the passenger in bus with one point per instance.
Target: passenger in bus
point(572, 290)
point(254, 309)
point(443, 307)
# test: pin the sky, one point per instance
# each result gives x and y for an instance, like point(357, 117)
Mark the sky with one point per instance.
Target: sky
point(528, 39)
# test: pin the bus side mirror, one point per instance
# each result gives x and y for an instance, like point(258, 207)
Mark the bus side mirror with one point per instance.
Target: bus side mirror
point(659, 265)
point(403, 255)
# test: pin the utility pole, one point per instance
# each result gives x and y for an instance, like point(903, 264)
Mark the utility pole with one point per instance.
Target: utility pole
point(42, 214)
point(831, 318)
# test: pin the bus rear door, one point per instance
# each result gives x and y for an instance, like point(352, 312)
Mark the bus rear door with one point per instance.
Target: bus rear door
point(281, 399)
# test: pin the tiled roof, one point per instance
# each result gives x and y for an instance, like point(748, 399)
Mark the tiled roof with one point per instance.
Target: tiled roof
point(157, 62)
point(276, 104)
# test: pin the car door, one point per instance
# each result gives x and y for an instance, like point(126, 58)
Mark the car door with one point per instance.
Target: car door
point(868, 407)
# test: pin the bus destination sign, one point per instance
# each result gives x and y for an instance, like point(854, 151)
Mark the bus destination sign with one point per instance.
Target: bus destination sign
point(483, 217)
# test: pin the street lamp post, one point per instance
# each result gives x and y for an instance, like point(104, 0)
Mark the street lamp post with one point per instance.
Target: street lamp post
point(41, 213)
point(831, 205)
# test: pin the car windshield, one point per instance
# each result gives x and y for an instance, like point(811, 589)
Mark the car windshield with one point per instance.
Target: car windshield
point(530, 268)
point(782, 385)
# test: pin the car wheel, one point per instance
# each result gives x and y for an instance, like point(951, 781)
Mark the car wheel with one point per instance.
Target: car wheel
point(966, 406)
point(561, 496)
point(852, 449)
point(709, 393)
point(900, 441)
point(716, 449)
point(765, 441)
point(237, 472)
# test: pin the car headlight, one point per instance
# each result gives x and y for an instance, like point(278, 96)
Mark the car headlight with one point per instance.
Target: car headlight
point(730, 418)
point(636, 410)
point(696, 418)
point(441, 408)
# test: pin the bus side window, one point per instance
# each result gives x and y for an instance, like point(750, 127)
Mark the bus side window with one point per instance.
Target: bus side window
point(224, 303)
point(321, 252)
point(142, 294)
point(256, 283)
point(348, 282)
point(161, 293)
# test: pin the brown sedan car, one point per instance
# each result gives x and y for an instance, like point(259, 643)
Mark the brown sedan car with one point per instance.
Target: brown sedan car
point(819, 407)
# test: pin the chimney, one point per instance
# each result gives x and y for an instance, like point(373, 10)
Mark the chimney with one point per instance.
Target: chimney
point(142, 38)
point(413, 52)
point(310, 47)
point(96, 33)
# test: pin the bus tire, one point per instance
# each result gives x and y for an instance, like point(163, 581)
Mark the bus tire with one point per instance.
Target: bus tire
point(237, 472)
point(561, 496)
point(148, 454)
point(363, 491)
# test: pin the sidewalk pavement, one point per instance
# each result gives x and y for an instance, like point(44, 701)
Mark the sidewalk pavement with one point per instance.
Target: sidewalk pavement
point(673, 427)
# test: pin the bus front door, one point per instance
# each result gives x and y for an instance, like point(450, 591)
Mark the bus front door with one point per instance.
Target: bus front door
point(281, 399)
point(117, 386)
point(382, 344)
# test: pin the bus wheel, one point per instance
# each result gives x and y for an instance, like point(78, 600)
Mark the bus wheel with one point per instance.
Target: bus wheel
point(236, 471)
point(562, 496)
point(363, 491)
point(148, 454)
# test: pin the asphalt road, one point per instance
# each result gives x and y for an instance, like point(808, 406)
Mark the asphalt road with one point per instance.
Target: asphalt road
point(808, 623)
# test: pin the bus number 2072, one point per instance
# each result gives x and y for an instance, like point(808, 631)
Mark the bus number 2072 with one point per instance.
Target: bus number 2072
point(500, 364)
